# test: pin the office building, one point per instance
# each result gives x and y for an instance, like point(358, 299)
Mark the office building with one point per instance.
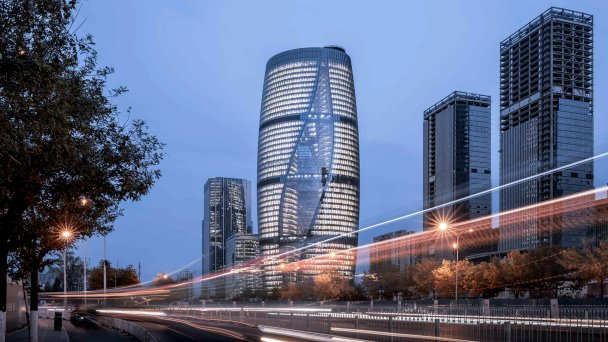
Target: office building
point(242, 252)
point(308, 163)
point(389, 250)
point(227, 211)
point(186, 291)
point(546, 122)
point(456, 133)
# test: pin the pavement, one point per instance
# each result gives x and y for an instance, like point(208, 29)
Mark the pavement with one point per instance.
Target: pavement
point(46, 333)
point(68, 333)
point(170, 329)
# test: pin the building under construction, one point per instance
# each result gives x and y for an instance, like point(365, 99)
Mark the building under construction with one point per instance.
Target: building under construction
point(546, 120)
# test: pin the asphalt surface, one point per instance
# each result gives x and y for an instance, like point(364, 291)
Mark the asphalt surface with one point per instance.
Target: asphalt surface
point(180, 329)
point(94, 333)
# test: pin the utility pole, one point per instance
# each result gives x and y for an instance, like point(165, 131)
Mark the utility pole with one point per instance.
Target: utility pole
point(139, 271)
point(104, 269)
point(84, 280)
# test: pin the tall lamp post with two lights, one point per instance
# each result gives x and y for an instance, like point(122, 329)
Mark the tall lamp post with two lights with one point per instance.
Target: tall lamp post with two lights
point(456, 246)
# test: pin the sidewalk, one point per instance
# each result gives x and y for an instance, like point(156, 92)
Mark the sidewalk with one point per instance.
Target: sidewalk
point(46, 333)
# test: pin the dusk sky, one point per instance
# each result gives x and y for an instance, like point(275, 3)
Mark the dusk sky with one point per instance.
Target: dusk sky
point(195, 72)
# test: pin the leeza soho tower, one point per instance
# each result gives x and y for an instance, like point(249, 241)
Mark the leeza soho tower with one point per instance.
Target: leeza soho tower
point(308, 164)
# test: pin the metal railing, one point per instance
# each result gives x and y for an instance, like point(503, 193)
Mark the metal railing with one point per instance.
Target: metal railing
point(416, 323)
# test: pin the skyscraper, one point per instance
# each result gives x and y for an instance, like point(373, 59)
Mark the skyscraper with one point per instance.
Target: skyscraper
point(227, 211)
point(546, 121)
point(241, 249)
point(456, 133)
point(308, 162)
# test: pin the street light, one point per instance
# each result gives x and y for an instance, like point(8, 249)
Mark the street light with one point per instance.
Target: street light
point(456, 247)
point(443, 226)
point(66, 235)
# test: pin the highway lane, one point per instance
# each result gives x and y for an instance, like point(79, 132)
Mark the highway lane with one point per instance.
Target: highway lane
point(94, 334)
point(183, 329)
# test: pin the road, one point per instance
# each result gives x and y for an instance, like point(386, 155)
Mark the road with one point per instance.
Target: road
point(188, 330)
point(94, 334)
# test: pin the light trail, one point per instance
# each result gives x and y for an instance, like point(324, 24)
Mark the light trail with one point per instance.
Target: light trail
point(215, 330)
point(253, 265)
point(390, 334)
point(481, 193)
point(132, 312)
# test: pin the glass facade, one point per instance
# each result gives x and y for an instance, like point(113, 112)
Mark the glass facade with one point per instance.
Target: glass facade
point(227, 211)
point(308, 161)
point(242, 249)
point(546, 121)
point(456, 133)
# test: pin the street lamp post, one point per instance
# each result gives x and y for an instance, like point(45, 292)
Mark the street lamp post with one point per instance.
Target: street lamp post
point(67, 236)
point(457, 247)
point(104, 270)
point(65, 282)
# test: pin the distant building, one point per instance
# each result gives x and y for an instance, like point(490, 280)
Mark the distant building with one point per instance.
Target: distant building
point(227, 211)
point(185, 276)
point(387, 250)
point(546, 121)
point(308, 163)
point(241, 249)
point(456, 134)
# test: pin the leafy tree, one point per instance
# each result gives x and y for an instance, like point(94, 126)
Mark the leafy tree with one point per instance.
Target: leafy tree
point(328, 285)
point(371, 285)
point(423, 276)
point(482, 280)
point(290, 291)
point(114, 276)
point(546, 272)
point(515, 274)
point(163, 280)
point(590, 264)
point(61, 139)
point(445, 277)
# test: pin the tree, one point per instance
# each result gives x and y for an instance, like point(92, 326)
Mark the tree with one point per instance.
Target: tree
point(163, 280)
point(328, 285)
point(546, 272)
point(114, 276)
point(445, 277)
point(290, 291)
point(515, 274)
point(423, 276)
point(587, 265)
point(482, 280)
point(62, 141)
point(371, 285)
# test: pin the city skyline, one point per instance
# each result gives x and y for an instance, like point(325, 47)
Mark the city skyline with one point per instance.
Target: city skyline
point(378, 138)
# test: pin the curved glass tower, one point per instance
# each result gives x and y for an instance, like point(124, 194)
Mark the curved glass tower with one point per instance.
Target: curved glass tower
point(308, 164)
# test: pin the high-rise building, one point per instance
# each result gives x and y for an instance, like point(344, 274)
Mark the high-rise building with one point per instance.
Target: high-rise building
point(389, 250)
point(241, 250)
point(308, 162)
point(456, 133)
point(227, 211)
point(546, 121)
point(186, 291)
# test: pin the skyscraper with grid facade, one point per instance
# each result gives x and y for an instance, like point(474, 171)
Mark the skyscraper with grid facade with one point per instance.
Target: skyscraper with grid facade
point(227, 211)
point(546, 122)
point(308, 164)
point(456, 133)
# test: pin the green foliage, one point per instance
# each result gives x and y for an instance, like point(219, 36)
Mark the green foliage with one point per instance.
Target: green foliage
point(62, 140)
point(118, 277)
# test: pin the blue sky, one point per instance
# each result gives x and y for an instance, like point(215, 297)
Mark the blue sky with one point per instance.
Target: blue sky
point(195, 72)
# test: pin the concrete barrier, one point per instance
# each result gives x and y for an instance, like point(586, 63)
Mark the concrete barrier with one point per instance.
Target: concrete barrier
point(132, 329)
